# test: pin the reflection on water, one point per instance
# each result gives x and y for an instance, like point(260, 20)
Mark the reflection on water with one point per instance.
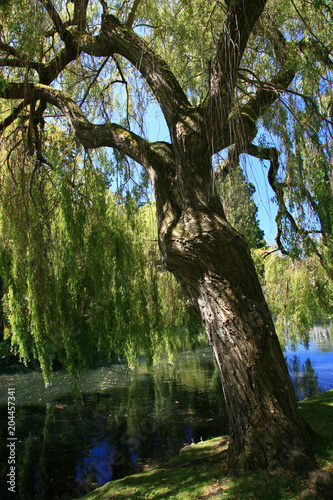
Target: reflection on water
point(322, 338)
point(311, 369)
point(304, 378)
point(126, 420)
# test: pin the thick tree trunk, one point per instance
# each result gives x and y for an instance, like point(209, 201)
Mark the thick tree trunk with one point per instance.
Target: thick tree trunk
point(214, 266)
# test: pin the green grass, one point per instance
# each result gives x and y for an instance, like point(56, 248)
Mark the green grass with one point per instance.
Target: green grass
point(201, 471)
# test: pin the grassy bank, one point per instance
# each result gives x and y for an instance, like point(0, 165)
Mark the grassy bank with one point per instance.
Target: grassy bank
point(200, 471)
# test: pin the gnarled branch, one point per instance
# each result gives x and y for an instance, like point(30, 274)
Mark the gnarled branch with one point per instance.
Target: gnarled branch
point(89, 134)
point(272, 155)
point(117, 38)
point(236, 30)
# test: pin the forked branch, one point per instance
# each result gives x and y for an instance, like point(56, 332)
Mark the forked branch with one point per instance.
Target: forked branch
point(117, 38)
point(236, 30)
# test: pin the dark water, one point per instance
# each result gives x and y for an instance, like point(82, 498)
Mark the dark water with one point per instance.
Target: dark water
point(124, 420)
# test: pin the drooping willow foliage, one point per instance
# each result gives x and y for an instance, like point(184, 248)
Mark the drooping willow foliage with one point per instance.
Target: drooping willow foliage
point(299, 294)
point(81, 266)
point(301, 123)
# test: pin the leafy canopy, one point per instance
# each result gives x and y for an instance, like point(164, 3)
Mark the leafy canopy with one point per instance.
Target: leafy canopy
point(287, 63)
point(79, 84)
point(81, 266)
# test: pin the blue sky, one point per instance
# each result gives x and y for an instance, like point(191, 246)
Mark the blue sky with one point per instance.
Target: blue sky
point(257, 174)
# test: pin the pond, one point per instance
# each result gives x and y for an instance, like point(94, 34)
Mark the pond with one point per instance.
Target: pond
point(124, 420)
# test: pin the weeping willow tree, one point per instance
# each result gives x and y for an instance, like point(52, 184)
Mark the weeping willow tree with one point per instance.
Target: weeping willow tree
point(217, 71)
point(80, 265)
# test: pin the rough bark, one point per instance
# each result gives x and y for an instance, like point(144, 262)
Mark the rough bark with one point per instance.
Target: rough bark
point(213, 264)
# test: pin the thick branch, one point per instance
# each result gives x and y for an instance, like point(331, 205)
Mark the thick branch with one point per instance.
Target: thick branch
point(47, 73)
point(80, 13)
point(241, 127)
point(20, 63)
point(56, 19)
point(131, 15)
point(117, 38)
point(69, 32)
point(8, 49)
point(52, 70)
point(15, 60)
point(237, 28)
point(89, 134)
point(13, 115)
point(269, 93)
point(272, 154)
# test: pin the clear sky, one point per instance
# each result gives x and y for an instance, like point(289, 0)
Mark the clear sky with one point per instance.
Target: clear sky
point(257, 174)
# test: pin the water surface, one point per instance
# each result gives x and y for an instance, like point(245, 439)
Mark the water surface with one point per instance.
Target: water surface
point(121, 421)
point(124, 420)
